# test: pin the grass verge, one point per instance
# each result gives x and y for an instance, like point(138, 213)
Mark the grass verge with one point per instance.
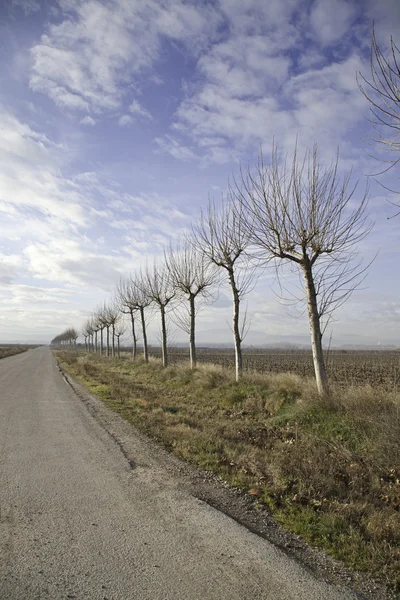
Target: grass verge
point(328, 470)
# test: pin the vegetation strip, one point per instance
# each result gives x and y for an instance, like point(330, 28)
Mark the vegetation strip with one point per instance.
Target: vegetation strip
point(9, 350)
point(329, 470)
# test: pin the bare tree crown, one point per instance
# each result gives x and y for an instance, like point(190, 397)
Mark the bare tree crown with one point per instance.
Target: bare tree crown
point(383, 93)
point(190, 270)
point(302, 211)
point(223, 237)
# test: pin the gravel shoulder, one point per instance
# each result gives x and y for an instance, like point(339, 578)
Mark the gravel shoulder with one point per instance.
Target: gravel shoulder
point(143, 453)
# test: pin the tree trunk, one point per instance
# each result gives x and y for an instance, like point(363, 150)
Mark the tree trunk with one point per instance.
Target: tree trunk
point(108, 341)
point(144, 335)
point(192, 334)
point(95, 341)
point(315, 330)
point(164, 350)
point(237, 340)
point(101, 341)
point(113, 341)
point(134, 339)
point(118, 346)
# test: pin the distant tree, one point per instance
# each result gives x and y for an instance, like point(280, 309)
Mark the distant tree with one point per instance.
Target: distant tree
point(127, 298)
point(73, 335)
point(382, 91)
point(96, 326)
point(67, 337)
point(85, 337)
point(88, 333)
point(112, 318)
point(222, 237)
point(101, 316)
point(305, 214)
point(156, 284)
point(120, 329)
point(139, 299)
point(192, 276)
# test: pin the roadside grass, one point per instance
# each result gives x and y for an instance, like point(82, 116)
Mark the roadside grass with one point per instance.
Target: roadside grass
point(329, 470)
point(11, 350)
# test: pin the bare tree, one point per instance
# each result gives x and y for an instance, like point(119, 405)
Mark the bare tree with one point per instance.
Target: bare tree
point(68, 337)
point(89, 330)
point(85, 336)
point(305, 214)
point(96, 327)
point(127, 298)
point(192, 276)
point(222, 238)
point(383, 94)
point(107, 324)
point(156, 284)
point(139, 300)
point(120, 329)
point(103, 323)
point(74, 335)
point(112, 316)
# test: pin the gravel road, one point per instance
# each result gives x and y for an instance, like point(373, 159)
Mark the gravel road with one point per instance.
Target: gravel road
point(79, 520)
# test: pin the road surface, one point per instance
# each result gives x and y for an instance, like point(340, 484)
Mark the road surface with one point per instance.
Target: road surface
point(78, 522)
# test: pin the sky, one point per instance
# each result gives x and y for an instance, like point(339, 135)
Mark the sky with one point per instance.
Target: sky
point(119, 118)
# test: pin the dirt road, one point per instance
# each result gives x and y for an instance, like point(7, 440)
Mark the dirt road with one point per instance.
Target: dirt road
point(77, 521)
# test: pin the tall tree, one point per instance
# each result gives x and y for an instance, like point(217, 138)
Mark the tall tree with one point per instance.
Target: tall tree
point(127, 298)
point(103, 322)
point(305, 214)
point(112, 316)
point(192, 276)
point(156, 284)
point(222, 237)
point(120, 329)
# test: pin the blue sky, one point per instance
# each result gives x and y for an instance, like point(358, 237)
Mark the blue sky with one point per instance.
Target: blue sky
point(119, 118)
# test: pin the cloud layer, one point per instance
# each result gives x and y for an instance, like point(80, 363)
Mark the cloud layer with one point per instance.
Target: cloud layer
point(119, 117)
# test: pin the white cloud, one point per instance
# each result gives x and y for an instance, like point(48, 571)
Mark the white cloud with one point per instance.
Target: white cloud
point(30, 177)
point(11, 266)
point(89, 59)
point(246, 94)
point(69, 261)
point(170, 145)
point(88, 121)
point(139, 111)
point(331, 19)
point(125, 121)
point(29, 294)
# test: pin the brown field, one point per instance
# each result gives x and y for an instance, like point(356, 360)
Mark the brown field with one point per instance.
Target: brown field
point(10, 349)
point(380, 368)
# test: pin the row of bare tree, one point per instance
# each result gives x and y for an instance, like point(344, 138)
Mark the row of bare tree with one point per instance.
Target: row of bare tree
point(298, 213)
point(102, 332)
point(66, 338)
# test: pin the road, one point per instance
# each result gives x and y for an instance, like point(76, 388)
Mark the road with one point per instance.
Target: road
point(78, 522)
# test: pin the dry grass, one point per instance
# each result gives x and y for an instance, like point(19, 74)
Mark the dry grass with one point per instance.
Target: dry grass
point(11, 350)
point(328, 470)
